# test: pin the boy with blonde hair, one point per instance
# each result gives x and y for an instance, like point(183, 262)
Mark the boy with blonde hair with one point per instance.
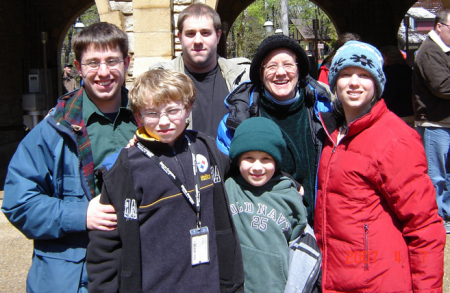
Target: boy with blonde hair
point(175, 231)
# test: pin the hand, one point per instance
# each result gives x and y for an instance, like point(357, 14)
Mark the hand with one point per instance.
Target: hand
point(301, 190)
point(100, 216)
point(132, 142)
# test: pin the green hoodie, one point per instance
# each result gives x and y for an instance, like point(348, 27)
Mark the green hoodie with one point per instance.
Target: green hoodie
point(266, 218)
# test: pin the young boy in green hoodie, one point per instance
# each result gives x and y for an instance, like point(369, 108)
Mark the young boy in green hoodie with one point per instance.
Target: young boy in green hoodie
point(267, 209)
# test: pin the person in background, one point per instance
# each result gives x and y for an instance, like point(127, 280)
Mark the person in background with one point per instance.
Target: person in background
point(376, 220)
point(397, 92)
point(175, 231)
point(214, 77)
point(267, 209)
point(431, 94)
point(50, 188)
point(325, 67)
point(281, 90)
point(69, 80)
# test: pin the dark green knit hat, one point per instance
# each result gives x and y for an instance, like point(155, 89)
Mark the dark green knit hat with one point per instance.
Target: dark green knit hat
point(258, 134)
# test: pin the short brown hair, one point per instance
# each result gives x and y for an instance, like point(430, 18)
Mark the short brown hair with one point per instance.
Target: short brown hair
point(441, 16)
point(198, 10)
point(160, 86)
point(100, 35)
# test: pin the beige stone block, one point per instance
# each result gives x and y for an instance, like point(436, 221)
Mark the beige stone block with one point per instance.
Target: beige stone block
point(103, 6)
point(143, 64)
point(125, 7)
point(128, 23)
point(154, 44)
point(114, 17)
point(175, 19)
point(179, 8)
point(182, 2)
point(139, 4)
point(157, 19)
point(130, 42)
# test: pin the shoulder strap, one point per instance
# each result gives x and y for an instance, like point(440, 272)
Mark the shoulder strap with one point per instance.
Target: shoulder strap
point(305, 260)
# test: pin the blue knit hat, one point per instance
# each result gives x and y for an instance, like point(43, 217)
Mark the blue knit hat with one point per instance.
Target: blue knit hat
point(361, 55)
point(258, 134)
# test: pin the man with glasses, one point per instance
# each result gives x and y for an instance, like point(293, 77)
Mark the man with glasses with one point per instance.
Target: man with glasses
point(431, 90)
point(214, 77)
point(51, 187)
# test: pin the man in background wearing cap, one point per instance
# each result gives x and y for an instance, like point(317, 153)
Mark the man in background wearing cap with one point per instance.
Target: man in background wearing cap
point(69, 81)
point(214, 77)
point(431, 97)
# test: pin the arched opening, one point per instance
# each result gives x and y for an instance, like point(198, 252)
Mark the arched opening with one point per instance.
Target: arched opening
point(248, 30)
point(85, 17)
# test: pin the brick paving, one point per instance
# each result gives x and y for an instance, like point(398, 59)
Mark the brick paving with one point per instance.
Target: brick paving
point(16, 251)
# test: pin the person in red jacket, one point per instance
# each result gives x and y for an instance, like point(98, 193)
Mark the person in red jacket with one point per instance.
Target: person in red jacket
point(376, 218)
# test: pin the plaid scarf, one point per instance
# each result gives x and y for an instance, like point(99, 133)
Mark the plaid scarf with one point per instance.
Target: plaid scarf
point(69, 113)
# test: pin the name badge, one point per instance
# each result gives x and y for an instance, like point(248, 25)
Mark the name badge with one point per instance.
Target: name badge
point(199, 246)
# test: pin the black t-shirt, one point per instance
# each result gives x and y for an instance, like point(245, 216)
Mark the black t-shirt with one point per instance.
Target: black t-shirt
point(209, 107)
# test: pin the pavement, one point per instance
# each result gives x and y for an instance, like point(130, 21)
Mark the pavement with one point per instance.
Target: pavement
point(16, 251)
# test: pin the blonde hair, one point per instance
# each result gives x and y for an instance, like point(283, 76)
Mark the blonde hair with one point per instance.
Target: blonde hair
point(161, 86)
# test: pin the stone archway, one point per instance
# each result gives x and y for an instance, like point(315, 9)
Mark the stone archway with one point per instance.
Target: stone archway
point(376, 21)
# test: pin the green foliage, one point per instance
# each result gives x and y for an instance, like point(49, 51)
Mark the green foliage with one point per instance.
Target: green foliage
point(247, 31)
point(89, 17)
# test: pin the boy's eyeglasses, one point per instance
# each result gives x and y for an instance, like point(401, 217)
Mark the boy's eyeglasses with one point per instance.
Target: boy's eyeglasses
point(155, 116)
point(273, 67)
point(96, 65)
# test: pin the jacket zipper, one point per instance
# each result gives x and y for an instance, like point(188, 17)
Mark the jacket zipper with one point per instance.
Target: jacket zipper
point(366, 252)
point(324, 252)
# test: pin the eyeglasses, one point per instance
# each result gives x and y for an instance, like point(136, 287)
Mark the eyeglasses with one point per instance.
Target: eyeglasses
point(172, 114)
point(96, 65)
point(273, 67)
point(445, 25)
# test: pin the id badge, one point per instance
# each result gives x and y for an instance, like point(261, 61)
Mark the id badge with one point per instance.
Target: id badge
point(199, 245)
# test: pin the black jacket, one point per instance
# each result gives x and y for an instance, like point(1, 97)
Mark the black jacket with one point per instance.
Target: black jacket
point(114, 258)
point(431, 83)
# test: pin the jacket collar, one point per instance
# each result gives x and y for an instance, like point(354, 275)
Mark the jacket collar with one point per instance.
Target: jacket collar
point(331, 124)
point(159, 147)
point(437, 39)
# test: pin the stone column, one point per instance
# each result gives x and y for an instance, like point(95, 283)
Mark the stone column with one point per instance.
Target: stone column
point(153, 33)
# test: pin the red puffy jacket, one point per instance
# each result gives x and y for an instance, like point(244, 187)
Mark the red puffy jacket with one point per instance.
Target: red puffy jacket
point(376, 218)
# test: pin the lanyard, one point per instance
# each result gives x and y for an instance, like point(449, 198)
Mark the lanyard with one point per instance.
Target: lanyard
point(195, 204)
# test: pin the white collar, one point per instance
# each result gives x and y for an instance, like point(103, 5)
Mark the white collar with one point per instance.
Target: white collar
point(437, 39)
